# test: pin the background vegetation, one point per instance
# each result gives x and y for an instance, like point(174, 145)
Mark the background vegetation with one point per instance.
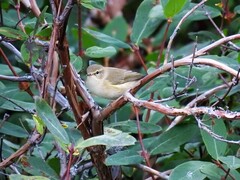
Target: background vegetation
point(180, 122)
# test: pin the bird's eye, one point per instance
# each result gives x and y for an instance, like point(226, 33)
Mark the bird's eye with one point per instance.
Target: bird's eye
point(97, 72)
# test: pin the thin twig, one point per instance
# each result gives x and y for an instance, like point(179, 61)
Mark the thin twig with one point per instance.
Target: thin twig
point(204, 127)
point(178, 27)
point(152, 171)
point(218, 30)
point(144, 153)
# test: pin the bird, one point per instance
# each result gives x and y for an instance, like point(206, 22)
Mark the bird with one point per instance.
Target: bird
point(110, 82)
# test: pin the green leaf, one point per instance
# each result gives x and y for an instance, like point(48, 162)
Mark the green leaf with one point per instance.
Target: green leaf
point(13, 33)
point(98, 52)
point(200, 13)
point(156, 11)
point(77, 62)
point(45, 112)
point(122, 139)
point(237, 9)
point(91, 4)
point(17, 104)
point(215, 147)
point(6, 71)
point(189, 170)
point(131, 126)
point(170, 140)
point(126, 157)
point(144, 23)
point(117, 28)
point(37, 166)
point(173, 7)
point(107, 39)
point(23, 177)
point(232, 162)
point(13, 130)
point(213, 172)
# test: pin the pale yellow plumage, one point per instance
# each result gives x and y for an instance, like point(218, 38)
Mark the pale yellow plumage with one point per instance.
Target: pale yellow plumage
point(109, 82)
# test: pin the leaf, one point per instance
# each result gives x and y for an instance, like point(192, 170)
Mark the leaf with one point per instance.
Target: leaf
point(17, 104)
point(173, 7)
point(232, 162)
point(6, 71)
point(13, 130)
point(131, 127)
point(77, 62)
point(126, 157)
point(23, 177)
point(144, 23)
point(37, 166)
point(98, 52)
point(39, 124)
point(117, 28)
point(200, 13)
point(122, 139)
point(170, 140)
point(215, 147)
point(107, 39)
point(213, 172)
point(91, 4)
point(189, 170)
point(13, 33)
point(156, 11)
point(45, 112)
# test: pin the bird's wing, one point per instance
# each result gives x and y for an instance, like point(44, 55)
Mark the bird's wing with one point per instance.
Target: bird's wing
point(122, 76)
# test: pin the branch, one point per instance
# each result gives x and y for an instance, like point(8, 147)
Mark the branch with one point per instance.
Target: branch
point(112, 107)
point(171, 111)
point(31, 141)
point(178, 27)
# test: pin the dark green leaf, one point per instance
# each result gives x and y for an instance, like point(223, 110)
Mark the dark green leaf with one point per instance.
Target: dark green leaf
point(37, 166)
point(98, 52)
point(13, 33)
point(170, 140)
point(126, 157)
point(131, 126)
point(189, 170)
point(173, 7)
point(107, 39)
point(117, 28)
point(144, 25)
point(200, 13)
point(45, 112)
point(6, 71)
point(13, 130)
point(17, 105)
point(215, 147)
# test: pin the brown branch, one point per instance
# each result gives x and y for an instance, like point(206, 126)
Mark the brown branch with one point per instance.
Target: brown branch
point(31, 141)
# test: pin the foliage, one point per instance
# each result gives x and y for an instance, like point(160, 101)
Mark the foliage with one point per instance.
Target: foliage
point(182, 116)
